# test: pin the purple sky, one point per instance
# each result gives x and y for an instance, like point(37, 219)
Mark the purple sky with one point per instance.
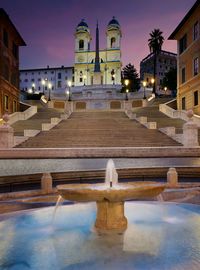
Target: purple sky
point(47, 26)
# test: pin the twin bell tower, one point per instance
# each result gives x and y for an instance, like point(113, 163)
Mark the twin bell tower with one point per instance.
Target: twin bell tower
point(99, 67)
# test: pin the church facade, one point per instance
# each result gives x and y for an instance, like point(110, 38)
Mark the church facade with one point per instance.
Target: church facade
point(109, 59)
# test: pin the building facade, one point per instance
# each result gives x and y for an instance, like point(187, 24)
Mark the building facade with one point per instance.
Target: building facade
point(188, 39)
point(10, 40)
point(110, 58)
point(43, 80)
point(165, 62)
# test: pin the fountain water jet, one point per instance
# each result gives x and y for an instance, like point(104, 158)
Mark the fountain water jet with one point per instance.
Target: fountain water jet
point(110, 197)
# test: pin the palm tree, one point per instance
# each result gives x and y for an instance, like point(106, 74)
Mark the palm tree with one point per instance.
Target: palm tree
point(155, 43)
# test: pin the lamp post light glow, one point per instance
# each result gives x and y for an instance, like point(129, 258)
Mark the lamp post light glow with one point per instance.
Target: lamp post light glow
point(144, 85)
point(69, 84)
point(127, 90)
point(43, 85)
point(30, 91)
point(50, 86)
point(126, 82)
point(84, 78)
point(152, 81)
point(165, 88)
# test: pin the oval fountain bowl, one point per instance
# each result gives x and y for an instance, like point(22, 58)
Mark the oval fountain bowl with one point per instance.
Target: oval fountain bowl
point(101, 192)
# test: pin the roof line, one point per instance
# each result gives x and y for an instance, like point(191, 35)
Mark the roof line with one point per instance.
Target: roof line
point(153, 54)
point(184, 20)
point(5, 14)
point(39, 69)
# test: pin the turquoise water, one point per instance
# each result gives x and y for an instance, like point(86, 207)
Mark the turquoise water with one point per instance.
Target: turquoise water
point(158, 237)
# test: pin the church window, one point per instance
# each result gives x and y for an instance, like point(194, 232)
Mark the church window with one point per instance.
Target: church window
point(113, 42)
point(81, 44)
point(81, 79)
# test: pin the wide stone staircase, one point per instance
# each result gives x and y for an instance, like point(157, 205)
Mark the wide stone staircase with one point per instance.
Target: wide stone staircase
point(43, 115)
point(154, 115)
point(99, 129)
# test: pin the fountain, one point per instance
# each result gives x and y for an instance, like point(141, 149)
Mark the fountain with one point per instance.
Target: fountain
point(110, 197)
point(158, 236)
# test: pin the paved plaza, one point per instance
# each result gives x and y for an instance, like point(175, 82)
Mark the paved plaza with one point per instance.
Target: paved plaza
point(33, 166)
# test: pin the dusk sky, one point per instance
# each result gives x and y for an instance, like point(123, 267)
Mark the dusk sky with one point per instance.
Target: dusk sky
point(47, 26)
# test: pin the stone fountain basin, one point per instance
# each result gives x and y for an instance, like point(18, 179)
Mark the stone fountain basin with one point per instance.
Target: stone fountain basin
point(120, 192)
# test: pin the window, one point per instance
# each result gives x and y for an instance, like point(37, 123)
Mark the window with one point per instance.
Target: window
point(66, 78)
point(32, 73)
point(6, 102)
point(38, 87)
point(196, 98)
point(32, 80)
point(6, 72)
point(113, 42)
point(39, 79)
point(14, 78)
point(196, 66)
point(182, 44)
point(39, 73)
point(26, 80)
point(81, 79)
point(59, 75)
point(183, 103)
point(5, 37)
point(183, 75)
point(52, 72)
point(15, 50)
point(196, 30)
point(81, 44)
point(14, 106)
point(59, 84)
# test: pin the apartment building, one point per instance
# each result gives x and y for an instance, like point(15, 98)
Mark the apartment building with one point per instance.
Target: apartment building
point(10, 40)
point(188, 39)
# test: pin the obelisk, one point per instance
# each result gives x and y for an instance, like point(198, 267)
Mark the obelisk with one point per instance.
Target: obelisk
point(97, 71)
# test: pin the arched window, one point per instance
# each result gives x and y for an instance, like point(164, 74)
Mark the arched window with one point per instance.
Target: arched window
point(113, 42)
point(81, 44)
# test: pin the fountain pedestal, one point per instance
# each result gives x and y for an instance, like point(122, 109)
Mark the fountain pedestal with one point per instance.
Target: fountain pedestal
point(110, 216)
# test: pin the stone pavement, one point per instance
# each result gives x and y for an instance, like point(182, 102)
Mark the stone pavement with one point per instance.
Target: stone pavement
point(34, 166)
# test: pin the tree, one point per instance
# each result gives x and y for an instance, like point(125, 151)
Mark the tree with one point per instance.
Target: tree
point(155, 43)
point(170, 79)
point(129, 72)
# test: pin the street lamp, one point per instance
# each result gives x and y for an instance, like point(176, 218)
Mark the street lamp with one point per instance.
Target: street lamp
point(50, 86)
point(152, 81)
point(69, 85)
point(144, 85)
point(30, 91)
point(33, 87)
point(126, 83)
point(43, 84)
point(127, 94)
point(84, 78)
point(165, 88)
point(113, 78)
